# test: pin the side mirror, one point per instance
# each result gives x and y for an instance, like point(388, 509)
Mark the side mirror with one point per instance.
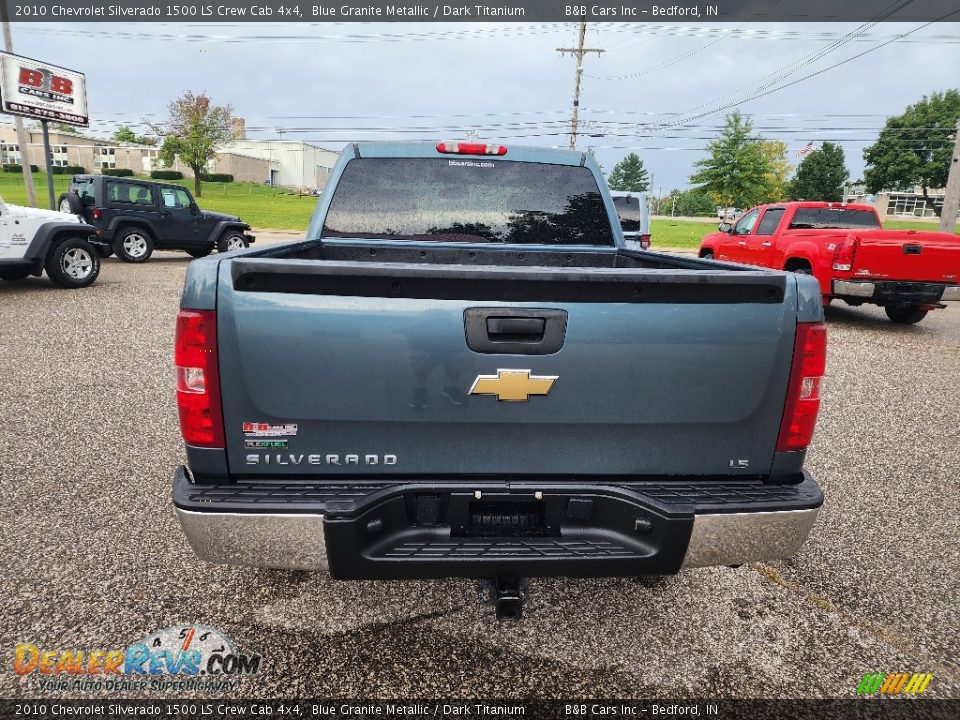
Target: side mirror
point(725, 227)
point(194, 208)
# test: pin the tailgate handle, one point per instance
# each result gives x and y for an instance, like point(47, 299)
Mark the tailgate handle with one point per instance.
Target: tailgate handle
point(912, 249)
point(519, 331)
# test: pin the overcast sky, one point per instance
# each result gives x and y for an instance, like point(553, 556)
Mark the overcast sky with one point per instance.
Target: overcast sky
point(660, 90)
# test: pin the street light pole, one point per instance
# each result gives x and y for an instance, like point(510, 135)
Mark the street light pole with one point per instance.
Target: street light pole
point(951, 195)
point(23, 140)
point(578, 52)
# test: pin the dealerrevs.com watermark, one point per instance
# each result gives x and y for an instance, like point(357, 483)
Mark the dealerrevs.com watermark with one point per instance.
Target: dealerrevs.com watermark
point(183, 657)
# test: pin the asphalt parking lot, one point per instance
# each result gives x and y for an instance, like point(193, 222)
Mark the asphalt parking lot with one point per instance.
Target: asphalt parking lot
point(93, 556)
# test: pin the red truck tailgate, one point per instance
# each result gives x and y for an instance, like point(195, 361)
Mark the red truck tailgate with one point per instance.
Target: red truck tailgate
point(908, 255)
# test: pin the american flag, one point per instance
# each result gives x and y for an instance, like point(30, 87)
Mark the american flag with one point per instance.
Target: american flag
point(805, 150)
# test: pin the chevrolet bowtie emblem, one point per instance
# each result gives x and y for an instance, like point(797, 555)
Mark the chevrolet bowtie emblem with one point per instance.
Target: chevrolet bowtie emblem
point(513, 385)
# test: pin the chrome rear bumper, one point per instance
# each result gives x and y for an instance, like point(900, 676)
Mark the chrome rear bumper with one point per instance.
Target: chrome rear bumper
point(296, 541)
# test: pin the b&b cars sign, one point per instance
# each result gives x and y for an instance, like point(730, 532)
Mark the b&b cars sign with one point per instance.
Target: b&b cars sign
point(36, 89)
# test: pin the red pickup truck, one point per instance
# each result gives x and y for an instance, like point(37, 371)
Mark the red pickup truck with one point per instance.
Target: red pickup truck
point(907, 272)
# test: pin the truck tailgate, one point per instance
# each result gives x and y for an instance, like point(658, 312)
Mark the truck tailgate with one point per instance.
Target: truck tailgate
point(338, 368)
point(908, 256)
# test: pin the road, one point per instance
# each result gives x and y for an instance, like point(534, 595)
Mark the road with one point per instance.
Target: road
point(93, 556)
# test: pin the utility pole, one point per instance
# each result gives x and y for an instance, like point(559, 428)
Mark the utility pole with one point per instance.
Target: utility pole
point(578, 52)
point(951, 196)
point(22, 139)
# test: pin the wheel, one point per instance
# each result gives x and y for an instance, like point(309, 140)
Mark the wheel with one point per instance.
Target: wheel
point(232, 240)
point(70, 203)
point(707, 254)
point(905, 314)
point(200, 252)
point(133, 245)
point(15, 273)
point(103, 251)
point(73, 263)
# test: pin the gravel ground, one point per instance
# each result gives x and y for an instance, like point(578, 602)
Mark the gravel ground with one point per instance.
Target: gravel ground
point(93, 556)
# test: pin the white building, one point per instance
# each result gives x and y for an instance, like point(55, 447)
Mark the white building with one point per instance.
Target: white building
point(292, 163)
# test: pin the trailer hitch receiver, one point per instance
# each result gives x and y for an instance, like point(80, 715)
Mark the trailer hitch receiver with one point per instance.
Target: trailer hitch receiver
point(505, 594)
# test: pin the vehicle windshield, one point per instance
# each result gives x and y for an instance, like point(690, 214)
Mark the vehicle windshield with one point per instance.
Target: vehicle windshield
point(458, 199)
point(628, 210)
point(85, 189)
point(840, 218)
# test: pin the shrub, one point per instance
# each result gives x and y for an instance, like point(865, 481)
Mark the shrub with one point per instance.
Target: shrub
point(68, 170)
point(166, 175)
point(216, 177)
point(16, 168)
point(117, 172)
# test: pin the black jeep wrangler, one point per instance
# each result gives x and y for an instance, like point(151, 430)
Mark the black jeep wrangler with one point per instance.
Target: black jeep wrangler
point(133, 217)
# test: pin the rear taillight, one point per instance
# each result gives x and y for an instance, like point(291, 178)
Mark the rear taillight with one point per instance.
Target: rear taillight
point(844, 253)
point(803, 393)
point(645, 240)
point(198, 382)
point(463, 148)
point(97, 213)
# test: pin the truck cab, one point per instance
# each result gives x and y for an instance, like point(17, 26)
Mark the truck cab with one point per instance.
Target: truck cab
point(633, 212)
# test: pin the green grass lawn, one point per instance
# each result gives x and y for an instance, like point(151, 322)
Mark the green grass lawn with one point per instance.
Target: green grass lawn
point(679, 234)
point(261, 206)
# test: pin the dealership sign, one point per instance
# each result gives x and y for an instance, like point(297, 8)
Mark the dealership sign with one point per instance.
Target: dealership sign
point(36, 89)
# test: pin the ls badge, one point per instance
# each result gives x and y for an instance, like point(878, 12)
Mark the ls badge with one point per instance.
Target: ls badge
point(513, 385)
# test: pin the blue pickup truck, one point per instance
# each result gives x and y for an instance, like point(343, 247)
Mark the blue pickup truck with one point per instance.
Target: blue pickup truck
point(463, 372)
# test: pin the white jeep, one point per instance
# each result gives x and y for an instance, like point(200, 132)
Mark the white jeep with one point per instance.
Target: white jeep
point(33, 240)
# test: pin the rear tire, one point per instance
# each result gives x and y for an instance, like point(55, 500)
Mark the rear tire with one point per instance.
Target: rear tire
point(73, 263)
point(905, 314)
point(133, 245)
point(707, 254)
point(200, 252)
point(232, 240)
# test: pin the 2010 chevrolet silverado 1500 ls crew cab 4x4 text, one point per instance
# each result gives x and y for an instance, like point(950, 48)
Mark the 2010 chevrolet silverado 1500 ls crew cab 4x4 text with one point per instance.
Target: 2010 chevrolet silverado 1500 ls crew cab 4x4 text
point(464, 373)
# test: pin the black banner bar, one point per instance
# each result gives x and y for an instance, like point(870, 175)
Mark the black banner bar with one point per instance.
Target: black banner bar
point(320, 11)
point(867, 708)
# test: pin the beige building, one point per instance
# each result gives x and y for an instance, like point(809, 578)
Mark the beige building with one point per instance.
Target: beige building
point(94, 154)
point(908, 203)
point(70, 149)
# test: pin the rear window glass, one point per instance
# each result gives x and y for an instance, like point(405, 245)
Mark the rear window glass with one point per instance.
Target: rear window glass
point(834, 218)
point(628, 210)
point(461, 199)
point(129, 193)
point(771, 218)
point(85, 189)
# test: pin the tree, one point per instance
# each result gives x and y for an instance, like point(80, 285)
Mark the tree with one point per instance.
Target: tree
point(195, 128)
point(125, 134)
point(688, 203)
point(61, 127)
point(736, 171)
point(821, 175)
point(629, 174)
point(775, 179)
point(915, 148)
